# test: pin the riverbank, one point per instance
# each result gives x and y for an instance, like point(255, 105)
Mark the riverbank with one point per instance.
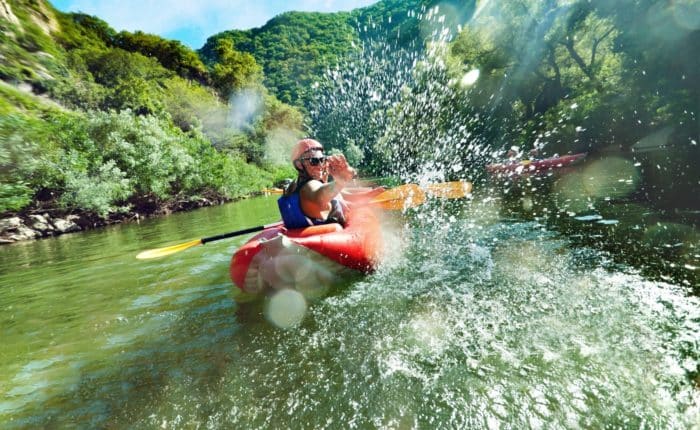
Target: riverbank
point(41, 223)
point(38, 222)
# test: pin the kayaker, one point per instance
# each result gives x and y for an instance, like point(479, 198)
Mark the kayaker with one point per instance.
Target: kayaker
point(514, 154)
point(311, 199)
point(534, 153)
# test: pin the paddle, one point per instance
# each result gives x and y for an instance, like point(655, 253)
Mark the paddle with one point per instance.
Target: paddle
point(162, 252)
point(449, 190)
point(397, 198)
point(412, 195)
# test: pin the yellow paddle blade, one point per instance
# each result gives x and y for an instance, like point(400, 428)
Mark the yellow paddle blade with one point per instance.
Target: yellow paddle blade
point(273, 191)
point(162, 252)
point(450, 190)
point(400, 198)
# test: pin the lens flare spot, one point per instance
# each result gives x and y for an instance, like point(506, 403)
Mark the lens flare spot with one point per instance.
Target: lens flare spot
point(604, 179)
point(470, 78)
point(611, 177)
point(286, 308)
point(687, 14)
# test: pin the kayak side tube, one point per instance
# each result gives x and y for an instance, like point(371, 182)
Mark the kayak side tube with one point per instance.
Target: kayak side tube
point(311, 259)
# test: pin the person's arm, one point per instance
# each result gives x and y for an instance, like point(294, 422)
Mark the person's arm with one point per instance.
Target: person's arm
point(322, 193)
point(316, 196)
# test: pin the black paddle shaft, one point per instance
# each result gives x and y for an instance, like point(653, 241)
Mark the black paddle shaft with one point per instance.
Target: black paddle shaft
point(236, 233)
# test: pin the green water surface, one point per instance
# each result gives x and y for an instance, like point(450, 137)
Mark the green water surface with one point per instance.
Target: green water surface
point(473, 321)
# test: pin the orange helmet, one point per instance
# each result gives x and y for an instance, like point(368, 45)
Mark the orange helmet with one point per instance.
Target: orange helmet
point(304, 146)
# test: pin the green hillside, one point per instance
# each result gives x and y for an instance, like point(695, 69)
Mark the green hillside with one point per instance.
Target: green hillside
point(296, 48)
point(109, 123)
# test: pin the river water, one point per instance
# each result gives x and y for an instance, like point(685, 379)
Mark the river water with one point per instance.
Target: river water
point(475, 320)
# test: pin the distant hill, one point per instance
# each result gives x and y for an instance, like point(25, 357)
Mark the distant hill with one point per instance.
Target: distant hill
point(296, 48)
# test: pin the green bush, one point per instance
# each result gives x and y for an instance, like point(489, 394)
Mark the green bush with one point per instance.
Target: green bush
point(172, 54)
point(234, 69)
point(158, 159)
point(14, 197)
point(98, 191)
point(79, 92)
point(79, 30)
point(148, 149)
point(18, 150)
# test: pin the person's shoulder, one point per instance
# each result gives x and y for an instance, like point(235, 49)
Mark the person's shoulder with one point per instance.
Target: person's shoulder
point(311, 186)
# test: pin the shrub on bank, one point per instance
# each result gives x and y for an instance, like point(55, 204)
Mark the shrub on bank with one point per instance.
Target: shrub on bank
point(102, 162)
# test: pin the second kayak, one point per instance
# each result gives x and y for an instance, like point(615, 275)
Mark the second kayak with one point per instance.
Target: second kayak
point(534, 166)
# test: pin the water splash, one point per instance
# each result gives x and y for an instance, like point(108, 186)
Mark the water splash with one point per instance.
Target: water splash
point(394, 102)
point(512, 328)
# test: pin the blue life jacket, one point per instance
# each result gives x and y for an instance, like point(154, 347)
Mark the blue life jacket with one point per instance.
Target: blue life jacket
point(294, 217)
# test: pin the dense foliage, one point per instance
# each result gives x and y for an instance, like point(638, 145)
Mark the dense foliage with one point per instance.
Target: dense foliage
point(294, 49)
point(233, 69)
point(560, 76)
point(127, 121)
point(400, 86)
point(593, 76)
point(171, 54)
point(102, 161)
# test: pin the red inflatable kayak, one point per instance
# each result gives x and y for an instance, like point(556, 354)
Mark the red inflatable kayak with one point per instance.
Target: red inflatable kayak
point(311, 259)
point(534, 166)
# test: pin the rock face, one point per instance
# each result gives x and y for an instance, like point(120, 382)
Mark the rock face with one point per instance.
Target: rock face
point(41, 223)
point(10, 223)
point(6, 13)
point(24, 233)
point(35, 226)
point(66, 225)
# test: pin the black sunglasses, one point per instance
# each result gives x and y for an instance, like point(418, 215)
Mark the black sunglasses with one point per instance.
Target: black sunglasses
point(315, 161)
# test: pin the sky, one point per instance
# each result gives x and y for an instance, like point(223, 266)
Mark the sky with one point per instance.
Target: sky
point(193, 21)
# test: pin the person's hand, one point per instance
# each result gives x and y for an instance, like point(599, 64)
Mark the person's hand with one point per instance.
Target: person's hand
point(339, 168)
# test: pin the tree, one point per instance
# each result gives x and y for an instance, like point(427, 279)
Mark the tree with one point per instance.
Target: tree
point(234, 69)
point(171, 54)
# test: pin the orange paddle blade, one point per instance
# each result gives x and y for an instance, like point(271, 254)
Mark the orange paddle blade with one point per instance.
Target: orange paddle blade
point(399, 198)
point(450, 190)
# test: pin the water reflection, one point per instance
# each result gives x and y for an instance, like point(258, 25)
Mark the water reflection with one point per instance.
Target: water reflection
point(603, 204)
